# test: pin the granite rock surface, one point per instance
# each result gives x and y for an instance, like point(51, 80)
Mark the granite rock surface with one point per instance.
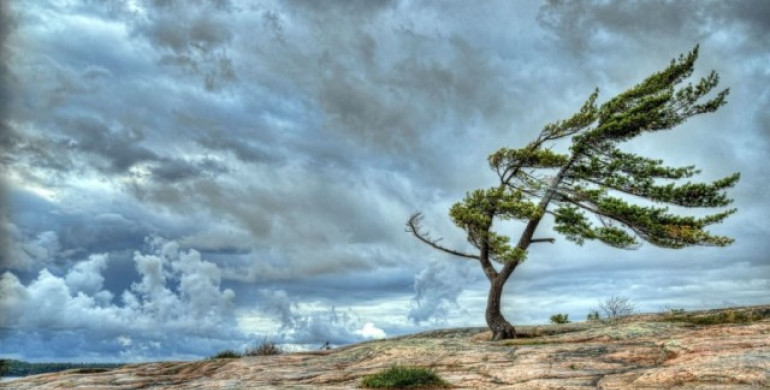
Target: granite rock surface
point(705, 350)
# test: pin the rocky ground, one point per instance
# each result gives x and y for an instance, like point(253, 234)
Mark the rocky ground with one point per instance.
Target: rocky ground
point(683, 351)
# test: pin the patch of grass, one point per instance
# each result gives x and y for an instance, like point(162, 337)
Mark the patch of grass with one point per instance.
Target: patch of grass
point(405, 377)
point(526, 342)
point(227, 354)
point(724, 317)
point(91, 370)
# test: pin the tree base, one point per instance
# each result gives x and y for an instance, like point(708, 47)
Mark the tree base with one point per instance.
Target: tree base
point(503, 332)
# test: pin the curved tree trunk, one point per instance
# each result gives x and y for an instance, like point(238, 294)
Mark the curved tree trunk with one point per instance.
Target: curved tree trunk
point(500, 327)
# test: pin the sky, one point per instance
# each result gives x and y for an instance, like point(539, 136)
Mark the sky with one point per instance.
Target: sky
point(183, 177)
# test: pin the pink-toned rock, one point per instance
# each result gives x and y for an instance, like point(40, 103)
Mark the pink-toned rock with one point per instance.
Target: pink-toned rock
point(644, 352)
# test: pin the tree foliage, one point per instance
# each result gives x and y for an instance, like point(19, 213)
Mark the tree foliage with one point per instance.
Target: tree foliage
point(560, 318)
point(595, 191)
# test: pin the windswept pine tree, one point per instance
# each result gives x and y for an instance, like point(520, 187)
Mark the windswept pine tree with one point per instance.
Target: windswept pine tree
point(594, 191)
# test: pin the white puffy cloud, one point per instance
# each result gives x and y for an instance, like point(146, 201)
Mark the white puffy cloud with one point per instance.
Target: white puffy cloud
point(177, 309)
point(178, 298)
point(86, 275)
point(370, 331)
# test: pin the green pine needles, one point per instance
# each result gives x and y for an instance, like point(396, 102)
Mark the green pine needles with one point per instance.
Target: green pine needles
point(593, 191)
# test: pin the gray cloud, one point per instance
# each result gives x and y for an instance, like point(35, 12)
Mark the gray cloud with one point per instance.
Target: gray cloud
point(25, 253)
point(437, 288)
point(7, 24)
point(191, 36)
point(119, 148)
point(587, 24)
point(316, 327)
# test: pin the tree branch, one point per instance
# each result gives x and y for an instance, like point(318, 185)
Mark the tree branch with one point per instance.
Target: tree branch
point(413, 226)
point(599, 215)
point(526, 236)
point(536, 240)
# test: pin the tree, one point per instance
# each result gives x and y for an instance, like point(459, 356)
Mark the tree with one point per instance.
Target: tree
point(593, 190)
point(560, 319)
point(616, 307)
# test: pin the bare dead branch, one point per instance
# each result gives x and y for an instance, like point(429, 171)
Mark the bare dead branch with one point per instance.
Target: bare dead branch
point(413, 226)
point(536, 240)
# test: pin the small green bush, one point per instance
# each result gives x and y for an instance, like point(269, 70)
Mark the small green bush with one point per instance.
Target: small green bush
point(593, 315)
point(560, 319)
point(227, 354)
point(404, 377)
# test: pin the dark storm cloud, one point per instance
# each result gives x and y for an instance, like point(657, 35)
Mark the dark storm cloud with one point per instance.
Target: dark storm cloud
point(347, 7)
point(119, 148)
point(36, 151)
point(177, 170)
point(581, 23)
point(6, 136)
point(193, 37)
point(379, 84)
point(40, 236)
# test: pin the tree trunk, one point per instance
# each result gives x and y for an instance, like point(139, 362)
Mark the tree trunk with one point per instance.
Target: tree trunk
point(500, 327)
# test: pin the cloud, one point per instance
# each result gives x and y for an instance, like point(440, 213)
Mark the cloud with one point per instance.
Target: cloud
point(86, 276)
point(436, 289)
point(328, 325)
point(179, 299)
point(314, 325)
point(586, 26)
point(370, 331)
point(193, 37)
point(25, 253)
point(278, 304)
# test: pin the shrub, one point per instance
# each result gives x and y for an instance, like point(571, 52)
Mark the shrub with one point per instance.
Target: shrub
point(560, 318)
point(404, 377)
point(266, 348)
point(724, 317)
point(593, 315)
point(227, 354)
point(616, 307)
